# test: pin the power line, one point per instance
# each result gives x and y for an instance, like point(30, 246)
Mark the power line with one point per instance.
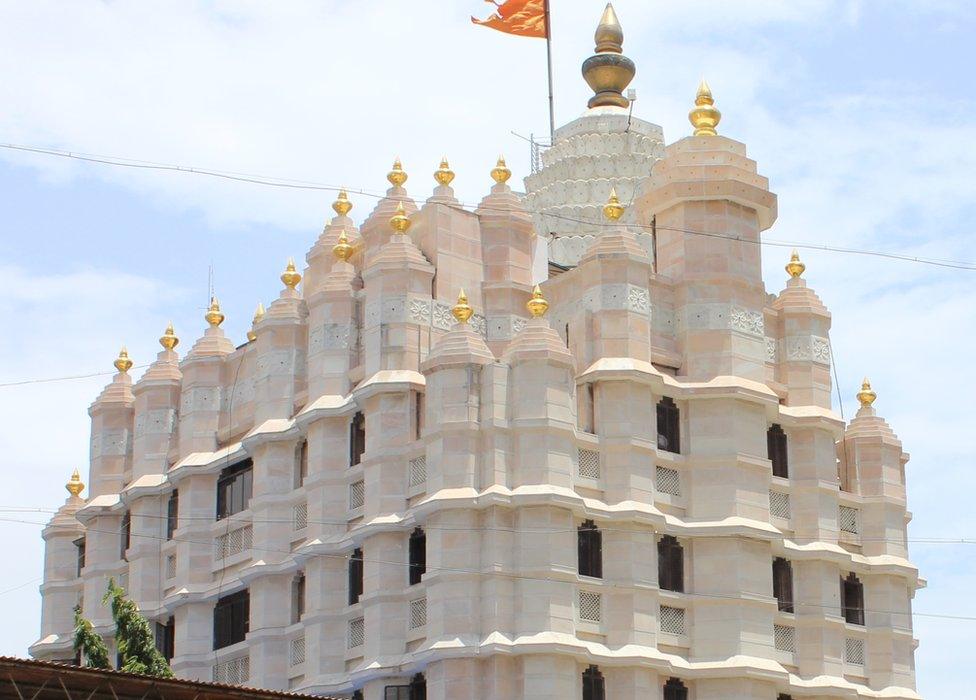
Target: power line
point(270, 181)
point(65, 379)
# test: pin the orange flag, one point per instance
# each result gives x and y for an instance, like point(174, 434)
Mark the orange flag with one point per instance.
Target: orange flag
point(521, 17)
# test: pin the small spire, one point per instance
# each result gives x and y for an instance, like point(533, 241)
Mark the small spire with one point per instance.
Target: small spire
point(537, 305)
point(704, 116)
point(291, 277)
point(169, 339)
point(609, 36)
point(613, 209)
point(397, 176)
point(794, 267)
point(462, 312)
point(122, 363)
point(400, 222)
point(444, 175)
point(342, 205)
point(258, 315)
point(213, 315)
point(500, 173)
point(75, 485)
point(342, 250)
point(866, 395)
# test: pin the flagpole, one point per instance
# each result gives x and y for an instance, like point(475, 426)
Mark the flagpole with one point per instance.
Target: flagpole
point(552, 113)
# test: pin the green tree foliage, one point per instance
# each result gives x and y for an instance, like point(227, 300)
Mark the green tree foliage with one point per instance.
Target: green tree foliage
point(133, 636)
point(92, 647)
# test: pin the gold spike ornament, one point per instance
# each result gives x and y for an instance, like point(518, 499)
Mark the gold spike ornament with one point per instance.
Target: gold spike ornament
point(462, 311)
point(705, 115)
point(444, 175)
point(122, 363)
point(397, 176)
point(866, 395)
point(342, 205)
point(75, 485)
point(291, 277)
point(500, 173)
point(169, 340)
point(613, 209)
point(537, 305)
point(794, 267)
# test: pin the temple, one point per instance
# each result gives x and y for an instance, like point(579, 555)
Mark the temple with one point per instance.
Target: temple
point(443, 468)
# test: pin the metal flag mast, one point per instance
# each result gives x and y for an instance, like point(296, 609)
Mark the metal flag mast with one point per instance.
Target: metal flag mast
point(552, 113)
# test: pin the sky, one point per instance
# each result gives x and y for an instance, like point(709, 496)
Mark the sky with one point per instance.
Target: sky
point(860, 112)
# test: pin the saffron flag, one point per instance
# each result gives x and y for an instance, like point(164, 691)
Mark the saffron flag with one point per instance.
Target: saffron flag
point(521, 17)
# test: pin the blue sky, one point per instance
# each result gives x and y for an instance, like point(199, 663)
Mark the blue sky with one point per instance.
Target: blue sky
point(861, 114)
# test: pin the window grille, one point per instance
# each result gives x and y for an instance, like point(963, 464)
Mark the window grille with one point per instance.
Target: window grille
point(779, 505)
point(296, 651)
point(672, 620)
point(668, 481)
point(784, 637)
point(589, 464)
point(418, 471)
point(854, 651)
point(357, 632)
point(848, 519)
point(299, 519)
point(357, 495)
point(589, 606)
point(418, 613)
point(233, 671)
point(231, 543)
point(171, 566)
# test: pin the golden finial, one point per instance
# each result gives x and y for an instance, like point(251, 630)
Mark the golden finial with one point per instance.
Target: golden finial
point(608, 72)
point(213, 315)
point(537, 305)
point(704, 116)
point(342, 250)
point(122, 363)
point(258, 315)
point(444, 175)
point(500, 173)
point(291, 277)
point(342, 205)
point(794, 267)
point(75, 485)
point(400, 222)
point(397, 176)
point(866, 395)
point(462, 312)
point(169, 339)
point(613, 209)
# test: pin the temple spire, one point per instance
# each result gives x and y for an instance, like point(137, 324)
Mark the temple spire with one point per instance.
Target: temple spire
point(608, 72)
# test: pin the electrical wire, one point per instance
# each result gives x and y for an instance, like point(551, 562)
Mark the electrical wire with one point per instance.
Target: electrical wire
point(468, 207)
point(47, 380)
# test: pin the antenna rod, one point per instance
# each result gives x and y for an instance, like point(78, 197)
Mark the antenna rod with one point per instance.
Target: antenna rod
point(552, 113)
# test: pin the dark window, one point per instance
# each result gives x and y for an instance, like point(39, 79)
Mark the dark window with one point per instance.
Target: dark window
point(355, 576)
point(783, 584)
point(297, 598)
point(784, 696)
point(593, 688)
point(231, 619)
point(589, 541)
point(396, 692)
point(675, 690)
point(670, 564)
point(80, 545)
point(125, 534)
point(166, 638)
point(172, 514)
point(234, 489)
point(852, 599)
point(417, 690)
point(418, 555)
point(301, 466)
point(418, 415)
point(668, 433)
point(776, 449)
point(358, 695)
point(357, 439)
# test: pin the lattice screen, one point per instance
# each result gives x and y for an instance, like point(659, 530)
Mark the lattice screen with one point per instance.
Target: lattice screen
point(231, 543)
point(779, 504)
point(357, 494)
point(668, 481)
point(296, 651)
point(854, 651)
point(418, 471)
point(672, 620)
point(785, 638)
point(848, 518)
point(171, 566)
point(233, 671)
point(589, 606)
point(418, 613)
point(299, 520)
point(357, 632)
point(589, 464)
